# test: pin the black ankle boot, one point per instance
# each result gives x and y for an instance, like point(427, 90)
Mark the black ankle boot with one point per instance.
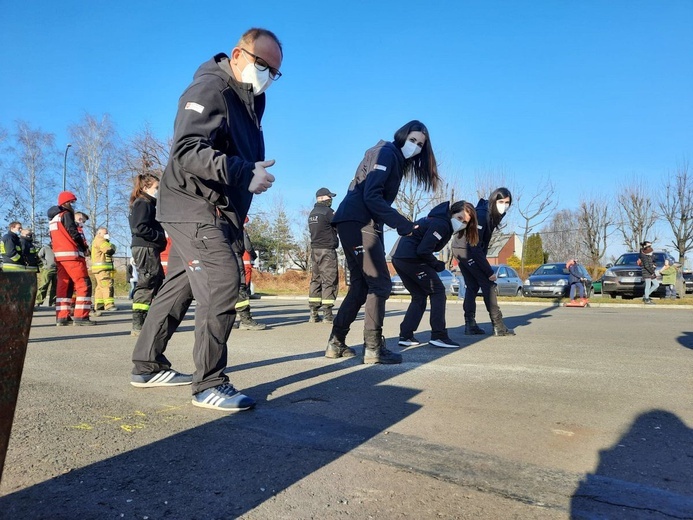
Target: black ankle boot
point(471, 328)
point(499, 329)
point(336, 346)
point(374, 351)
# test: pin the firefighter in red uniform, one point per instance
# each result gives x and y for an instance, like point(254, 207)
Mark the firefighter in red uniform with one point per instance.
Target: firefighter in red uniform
point(70, 247)
point(164, 254)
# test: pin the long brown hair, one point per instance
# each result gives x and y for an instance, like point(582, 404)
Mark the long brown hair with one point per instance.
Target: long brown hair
point(142, 181)
point(472, 229)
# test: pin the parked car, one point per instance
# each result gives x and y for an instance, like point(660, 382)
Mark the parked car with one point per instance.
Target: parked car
point(551, 281)
point(624, 278)
point(445, 276)
point(688, 280)
point(508, 283)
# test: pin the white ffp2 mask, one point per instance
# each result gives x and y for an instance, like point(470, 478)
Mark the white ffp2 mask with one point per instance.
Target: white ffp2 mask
point(410, 149)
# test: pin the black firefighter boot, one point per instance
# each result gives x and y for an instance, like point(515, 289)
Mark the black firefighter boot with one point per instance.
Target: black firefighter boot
point(499, 328)
point(374, 351)
point(336, 346)
point(327, 315)
point(138, 318)
point(247, 321)
point(314, 315)
point(471, 328)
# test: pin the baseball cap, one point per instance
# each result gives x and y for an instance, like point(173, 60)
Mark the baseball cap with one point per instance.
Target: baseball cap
point(324, 192)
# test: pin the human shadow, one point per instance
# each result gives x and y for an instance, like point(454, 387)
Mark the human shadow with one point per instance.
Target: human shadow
point(228, 466)
point(648, 473)
point(686, 340)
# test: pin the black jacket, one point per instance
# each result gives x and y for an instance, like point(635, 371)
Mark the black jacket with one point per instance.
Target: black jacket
point(216, 142)
point(433, 233)
point(648, 265)
point(11, 249)
point(322, 234)
point(476, 255)
point(29, 252)
point(145, 229)
point(374, 189)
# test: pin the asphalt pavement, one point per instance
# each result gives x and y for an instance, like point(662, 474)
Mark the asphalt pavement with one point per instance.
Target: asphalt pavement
point(586, 413)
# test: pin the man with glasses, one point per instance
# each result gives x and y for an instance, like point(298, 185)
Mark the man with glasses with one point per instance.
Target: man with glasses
point(217, 162)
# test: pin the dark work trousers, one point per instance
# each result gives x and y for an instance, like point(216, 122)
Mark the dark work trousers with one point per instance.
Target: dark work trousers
point(324, 279)
point(150, 276)
point(422, 282)
point(370, 282)
point(202, 266)
point(474, 278)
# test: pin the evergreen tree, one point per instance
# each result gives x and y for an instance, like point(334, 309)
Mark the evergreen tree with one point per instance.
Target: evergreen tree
point(534, 251)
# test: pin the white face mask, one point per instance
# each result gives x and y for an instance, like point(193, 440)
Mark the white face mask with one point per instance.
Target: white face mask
point(259, 79)
point(457, 225)
point(154, 193)
point(107, 236)
point(502, 207)
point(410, 149)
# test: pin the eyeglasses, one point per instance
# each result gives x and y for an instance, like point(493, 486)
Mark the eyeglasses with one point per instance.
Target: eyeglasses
point(261, 64)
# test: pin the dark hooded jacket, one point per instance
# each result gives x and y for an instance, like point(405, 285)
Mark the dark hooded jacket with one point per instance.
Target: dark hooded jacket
point(145, 229)
point(217, 141)
point(373, 190)
point(433, 233)
point(476, 255)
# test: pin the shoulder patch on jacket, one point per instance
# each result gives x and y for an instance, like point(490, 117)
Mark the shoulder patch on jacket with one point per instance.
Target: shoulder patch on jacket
point(191, 105)
point(380, 167)
point(437, 235)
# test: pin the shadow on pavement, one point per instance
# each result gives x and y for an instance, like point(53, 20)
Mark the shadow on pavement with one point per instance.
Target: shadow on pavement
point(230, 465)
point(647, 474)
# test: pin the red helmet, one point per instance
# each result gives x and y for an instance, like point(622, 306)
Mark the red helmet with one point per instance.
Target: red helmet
point(66, 196)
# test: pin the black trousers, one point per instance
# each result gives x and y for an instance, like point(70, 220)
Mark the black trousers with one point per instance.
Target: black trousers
point(150, 276)
point(474, 278)
point(370, 282)
point(324, 281)
point(202, 266)
point(422, 282)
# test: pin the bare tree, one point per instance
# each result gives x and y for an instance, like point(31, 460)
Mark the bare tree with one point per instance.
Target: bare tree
point(595, 221)
point(412, 201)
point(676, 204)
point(561, 237)
point(32, 173)
point(95, 145)
point(486, 182)
point(637, 214)
point(146, 153)
point(535, 210)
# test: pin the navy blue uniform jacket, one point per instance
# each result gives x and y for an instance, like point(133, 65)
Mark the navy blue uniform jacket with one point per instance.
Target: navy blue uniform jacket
point(374, 189)
point(433, 233)
point(476, 255)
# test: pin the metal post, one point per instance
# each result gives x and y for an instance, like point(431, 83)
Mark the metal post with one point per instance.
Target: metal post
point(65, 167)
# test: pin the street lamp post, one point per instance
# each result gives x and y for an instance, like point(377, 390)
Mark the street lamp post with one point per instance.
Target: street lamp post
point(65, 167)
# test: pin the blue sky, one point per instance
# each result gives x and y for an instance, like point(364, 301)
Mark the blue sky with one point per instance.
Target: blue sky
point(586, 92)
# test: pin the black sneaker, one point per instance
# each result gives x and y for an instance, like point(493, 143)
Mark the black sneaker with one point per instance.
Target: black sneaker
point(444, 343)
point(161, 378)
point(411, 341)
point(84, 323)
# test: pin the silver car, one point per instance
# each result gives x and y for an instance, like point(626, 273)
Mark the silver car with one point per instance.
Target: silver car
point(445, 276)
point(508, 283)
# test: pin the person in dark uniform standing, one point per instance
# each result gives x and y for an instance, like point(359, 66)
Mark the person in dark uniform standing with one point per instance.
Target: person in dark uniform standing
point(217, 163)
point(241, 246)
point(324, 281)
point(475, 268)
point(417, 266)
point(360, 218)
point(11, 249)
point(148, 241)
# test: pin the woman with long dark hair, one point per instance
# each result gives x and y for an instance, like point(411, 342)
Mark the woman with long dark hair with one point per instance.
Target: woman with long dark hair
point(148, 241)
point(476, 269)
point(417, 266)
point(360, 218)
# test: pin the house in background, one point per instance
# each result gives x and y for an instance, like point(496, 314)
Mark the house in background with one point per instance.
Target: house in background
point(503, 247)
